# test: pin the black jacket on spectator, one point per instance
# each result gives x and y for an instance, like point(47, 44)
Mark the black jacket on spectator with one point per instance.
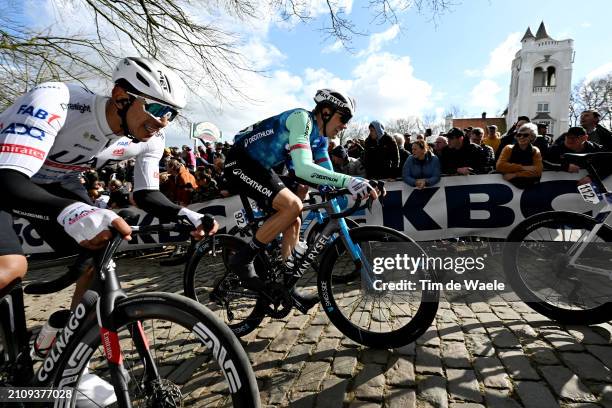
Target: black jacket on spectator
point(469, 155)
point(369, 157)
point(602, 137)
point(388, 157)
point(488, 158)
point(542, 143)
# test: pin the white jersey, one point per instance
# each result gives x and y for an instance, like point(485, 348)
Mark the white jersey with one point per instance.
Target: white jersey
point(57, 131)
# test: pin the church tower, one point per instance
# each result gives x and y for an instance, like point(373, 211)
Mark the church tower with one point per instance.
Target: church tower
point(541, 81)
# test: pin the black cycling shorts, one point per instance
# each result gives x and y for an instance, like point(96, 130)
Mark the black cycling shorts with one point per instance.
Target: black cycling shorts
point(51, 231)
point(9, 241)
point(247, 176)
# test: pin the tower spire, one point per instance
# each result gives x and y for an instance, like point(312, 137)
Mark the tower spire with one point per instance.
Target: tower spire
point(528, 35)
point(542, 34)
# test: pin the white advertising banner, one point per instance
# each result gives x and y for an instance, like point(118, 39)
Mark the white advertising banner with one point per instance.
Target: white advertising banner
point(482, 205)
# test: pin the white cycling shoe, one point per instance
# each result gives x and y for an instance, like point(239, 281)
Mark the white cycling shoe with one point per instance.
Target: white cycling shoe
point(93, 391)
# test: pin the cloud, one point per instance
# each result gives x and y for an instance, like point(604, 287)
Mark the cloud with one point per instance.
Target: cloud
point(599, 72)
point(585, 24)
point(472, 73)
point(484, 96)
point(385, 88)
point(501, 57)
point(379, 39)
point(261, 54)
point(335, 47)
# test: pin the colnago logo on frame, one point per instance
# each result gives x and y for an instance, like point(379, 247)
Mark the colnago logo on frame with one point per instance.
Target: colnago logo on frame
point(220, 354)
point(61, 342)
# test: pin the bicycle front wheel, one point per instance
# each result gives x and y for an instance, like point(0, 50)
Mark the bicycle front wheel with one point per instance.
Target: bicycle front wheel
point(375, 318)
point(200, 363)
point(537, 263)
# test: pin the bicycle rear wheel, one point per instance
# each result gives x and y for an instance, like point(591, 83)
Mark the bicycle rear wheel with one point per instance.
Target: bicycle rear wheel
point(379, 319)
point(207, 273)
point(199, 361)
point(536, 263)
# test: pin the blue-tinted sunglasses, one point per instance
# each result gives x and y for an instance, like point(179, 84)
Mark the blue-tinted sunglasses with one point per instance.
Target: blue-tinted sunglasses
point(157, 109)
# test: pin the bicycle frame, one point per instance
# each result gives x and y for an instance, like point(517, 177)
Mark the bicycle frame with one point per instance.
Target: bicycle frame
point(602, 216)
point(323, 240)
point(603, 211)
point(93, 306)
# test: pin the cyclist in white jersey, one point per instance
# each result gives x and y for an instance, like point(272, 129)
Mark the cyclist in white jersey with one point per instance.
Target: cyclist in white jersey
point(55, 131)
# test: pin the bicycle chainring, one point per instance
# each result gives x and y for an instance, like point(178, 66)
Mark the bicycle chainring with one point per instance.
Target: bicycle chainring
point(280, 304)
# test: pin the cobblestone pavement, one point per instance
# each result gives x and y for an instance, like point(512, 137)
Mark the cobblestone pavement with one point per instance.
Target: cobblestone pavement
point(493, 354)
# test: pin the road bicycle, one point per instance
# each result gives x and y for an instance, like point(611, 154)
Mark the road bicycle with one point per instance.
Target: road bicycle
point(345, 281)
point(156, 349)
point(560, 262)
point(250, 217)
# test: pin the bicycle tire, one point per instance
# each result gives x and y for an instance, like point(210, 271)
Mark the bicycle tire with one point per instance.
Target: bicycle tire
point(410, 330)
point(199, 281)
point(523, 288)
point(225, 354)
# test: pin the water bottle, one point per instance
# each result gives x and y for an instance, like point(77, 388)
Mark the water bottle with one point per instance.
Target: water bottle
point(46, 336)
point(296, 254)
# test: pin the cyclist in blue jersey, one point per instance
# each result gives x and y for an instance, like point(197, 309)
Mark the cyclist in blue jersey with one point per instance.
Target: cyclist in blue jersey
point(298, 135)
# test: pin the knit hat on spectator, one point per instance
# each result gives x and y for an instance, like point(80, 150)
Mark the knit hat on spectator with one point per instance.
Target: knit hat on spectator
point(378, 128)
point(340, 152)
point(454, 132)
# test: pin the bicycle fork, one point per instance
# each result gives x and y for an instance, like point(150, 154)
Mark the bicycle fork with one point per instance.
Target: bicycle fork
point(110, 339)
point(578, 248)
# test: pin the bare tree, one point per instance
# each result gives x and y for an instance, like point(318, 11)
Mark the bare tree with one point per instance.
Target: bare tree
point(168, 30)
point(409, 124)
point(455, 111)
point(593, 95)
point(574, 112)
point(354, 131)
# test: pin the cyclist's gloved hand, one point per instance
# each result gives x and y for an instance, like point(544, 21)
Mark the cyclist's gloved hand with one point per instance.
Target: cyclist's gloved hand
point(204, 224)
point(359, 187)
point(89, 225)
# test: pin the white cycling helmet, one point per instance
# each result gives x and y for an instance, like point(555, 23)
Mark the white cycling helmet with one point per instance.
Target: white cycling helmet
point(337, 100)
point(148, 77)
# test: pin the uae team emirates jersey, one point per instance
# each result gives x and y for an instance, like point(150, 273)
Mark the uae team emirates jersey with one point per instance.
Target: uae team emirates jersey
point(57, 131)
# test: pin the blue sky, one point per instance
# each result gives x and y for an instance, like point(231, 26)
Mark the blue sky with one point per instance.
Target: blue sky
point(419, 67)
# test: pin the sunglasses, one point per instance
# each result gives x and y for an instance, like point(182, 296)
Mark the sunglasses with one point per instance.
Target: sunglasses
point(519, 135)
point(157, 109)
point(345, 117)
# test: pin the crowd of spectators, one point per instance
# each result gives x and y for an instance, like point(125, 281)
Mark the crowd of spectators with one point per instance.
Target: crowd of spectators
point(520, 155)
point(185, 177)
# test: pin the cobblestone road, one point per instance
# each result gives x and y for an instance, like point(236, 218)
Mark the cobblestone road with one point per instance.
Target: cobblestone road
point(480, 354)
